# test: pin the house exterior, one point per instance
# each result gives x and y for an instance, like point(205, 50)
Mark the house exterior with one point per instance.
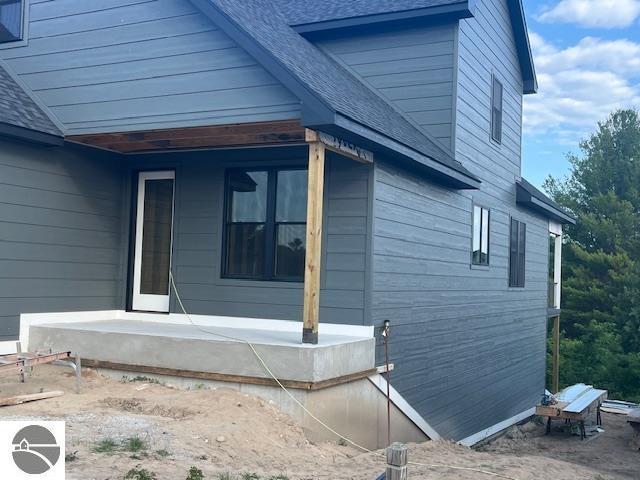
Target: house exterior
point(327, 163)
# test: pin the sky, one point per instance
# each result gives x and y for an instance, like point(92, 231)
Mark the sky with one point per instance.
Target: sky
point(587, 58)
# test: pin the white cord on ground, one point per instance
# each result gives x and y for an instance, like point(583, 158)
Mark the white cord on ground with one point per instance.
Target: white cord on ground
point(264, 365)
point(297, 402)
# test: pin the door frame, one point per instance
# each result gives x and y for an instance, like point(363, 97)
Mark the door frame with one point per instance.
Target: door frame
point(147, 302)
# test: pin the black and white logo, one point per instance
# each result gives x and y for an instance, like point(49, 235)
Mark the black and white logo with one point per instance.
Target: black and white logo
point(35, 450)
point(32, 450)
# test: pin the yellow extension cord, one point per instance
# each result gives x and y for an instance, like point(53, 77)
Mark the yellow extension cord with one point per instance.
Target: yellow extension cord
point(297, 402)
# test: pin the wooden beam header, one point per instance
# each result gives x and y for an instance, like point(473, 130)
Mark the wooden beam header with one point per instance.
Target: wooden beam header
point(198, 138)
point(340, 146)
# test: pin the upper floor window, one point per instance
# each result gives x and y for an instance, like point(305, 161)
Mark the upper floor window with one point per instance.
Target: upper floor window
point(480, 254)
point(517, 247)
point(265, 224)
point(496, 110)
point(11, 20)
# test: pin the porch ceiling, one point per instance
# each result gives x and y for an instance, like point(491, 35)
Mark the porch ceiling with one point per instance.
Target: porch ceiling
point(193, 138)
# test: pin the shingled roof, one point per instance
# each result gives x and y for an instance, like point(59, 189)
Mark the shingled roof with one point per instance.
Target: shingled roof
point(19, 113)
point(322, 85)
point(312, 16)
point(299, 12)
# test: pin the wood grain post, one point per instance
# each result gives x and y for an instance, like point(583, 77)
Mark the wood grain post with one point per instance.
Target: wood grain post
point(396, 462)
point(556, 355)
point(315, 199)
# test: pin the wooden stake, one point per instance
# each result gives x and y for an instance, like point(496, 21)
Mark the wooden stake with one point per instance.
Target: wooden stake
point(315, 198)
point(556, 355)
point(396, 462)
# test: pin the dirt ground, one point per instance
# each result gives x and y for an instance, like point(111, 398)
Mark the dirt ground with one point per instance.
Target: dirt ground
point(222, 431)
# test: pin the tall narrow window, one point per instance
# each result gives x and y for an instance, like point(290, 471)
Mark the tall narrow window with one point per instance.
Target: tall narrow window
point(481, 228)
point(496, 110)
point(517, 247)
point(265, 224)
point(11, 12)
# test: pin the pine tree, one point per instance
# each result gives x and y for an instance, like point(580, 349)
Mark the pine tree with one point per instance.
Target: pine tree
point(601, 262)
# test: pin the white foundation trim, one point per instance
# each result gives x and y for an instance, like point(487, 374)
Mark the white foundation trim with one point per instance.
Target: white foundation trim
point(498, 427)
point(402, 405)
point(28, 319)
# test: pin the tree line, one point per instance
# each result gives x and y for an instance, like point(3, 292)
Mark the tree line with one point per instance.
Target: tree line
point(600, 339)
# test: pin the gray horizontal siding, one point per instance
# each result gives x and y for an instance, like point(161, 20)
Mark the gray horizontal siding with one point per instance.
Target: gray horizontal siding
point(469, 351)
point(463, 342)
point(198, 239)
point(122, 65)
point(412, 68)
point(60, 232)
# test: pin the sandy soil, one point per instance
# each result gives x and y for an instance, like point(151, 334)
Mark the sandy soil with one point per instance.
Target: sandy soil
point(222, 431)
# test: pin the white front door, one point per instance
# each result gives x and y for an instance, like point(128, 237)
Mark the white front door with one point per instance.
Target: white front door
point(154, 232)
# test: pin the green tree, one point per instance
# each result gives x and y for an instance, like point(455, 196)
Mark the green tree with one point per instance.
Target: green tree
point(601, 262)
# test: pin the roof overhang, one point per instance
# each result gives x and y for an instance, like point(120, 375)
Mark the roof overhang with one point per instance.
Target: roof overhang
point(458, 10)
point(529, 196)
point(29, 135)
point(317, 114)
point(453, 176)
point(523, 46)
point(446, 12)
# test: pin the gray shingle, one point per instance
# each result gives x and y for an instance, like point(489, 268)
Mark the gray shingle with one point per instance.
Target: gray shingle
point(18, 109)
point(327, 80)
point(299, 12)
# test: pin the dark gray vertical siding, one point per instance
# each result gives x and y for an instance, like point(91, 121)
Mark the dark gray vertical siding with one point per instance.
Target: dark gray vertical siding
point(198, 239)
point(413, 69)
point(118, 65)
point(468, 350)
point(60, 232)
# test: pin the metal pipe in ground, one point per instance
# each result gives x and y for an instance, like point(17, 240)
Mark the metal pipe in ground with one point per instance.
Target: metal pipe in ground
point(385, 335)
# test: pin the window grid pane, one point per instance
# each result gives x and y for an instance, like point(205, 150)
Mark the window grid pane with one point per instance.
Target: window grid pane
point(290, 250)
point(517, 256)
point(10, 20)
point(480, 237)
point(265, 224)
point(496, 110)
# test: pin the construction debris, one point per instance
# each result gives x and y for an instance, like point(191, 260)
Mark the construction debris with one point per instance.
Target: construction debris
point(20, 363)
point(618, 407)
point(20, 399)
point(573, 404)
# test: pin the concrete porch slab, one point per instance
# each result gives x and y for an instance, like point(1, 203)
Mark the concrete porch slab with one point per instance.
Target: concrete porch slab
point(214, 349)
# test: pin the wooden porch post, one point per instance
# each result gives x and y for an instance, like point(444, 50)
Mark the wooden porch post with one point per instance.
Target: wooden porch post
point(315, 196)
point(555, 376)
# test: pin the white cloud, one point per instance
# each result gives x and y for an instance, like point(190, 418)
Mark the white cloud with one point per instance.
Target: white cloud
point(581, 85)
point(593, 13)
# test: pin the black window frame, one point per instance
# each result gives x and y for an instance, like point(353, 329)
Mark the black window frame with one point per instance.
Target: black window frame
point(517, 253)
point(5, 35)
point(271, 225)
point(483, 209)
point(497, 110)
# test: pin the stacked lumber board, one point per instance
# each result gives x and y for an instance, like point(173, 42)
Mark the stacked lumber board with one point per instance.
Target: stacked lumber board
point(574, 403)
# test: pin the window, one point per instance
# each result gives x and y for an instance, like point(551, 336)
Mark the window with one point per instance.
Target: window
point(517, 246)
point(480, 253)
point(265, 223)
point(10, 20)
point(496, 110)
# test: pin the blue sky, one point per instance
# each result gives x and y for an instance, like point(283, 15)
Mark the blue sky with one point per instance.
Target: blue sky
point(587, 56)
